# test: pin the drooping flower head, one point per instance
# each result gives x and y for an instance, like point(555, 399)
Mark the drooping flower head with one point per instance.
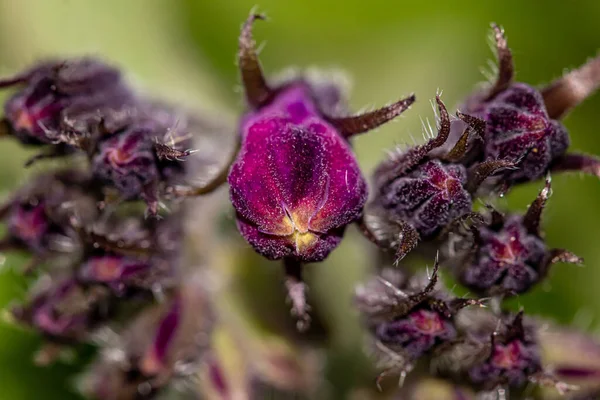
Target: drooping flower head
point(509, 255)
point(296, 183)
point(420, 191)
point(522, 123)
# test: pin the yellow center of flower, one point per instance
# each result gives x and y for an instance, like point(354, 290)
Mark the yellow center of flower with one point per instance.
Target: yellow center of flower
point(301, 237)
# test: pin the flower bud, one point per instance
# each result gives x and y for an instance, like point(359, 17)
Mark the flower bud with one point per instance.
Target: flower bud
point(132, 255)
point(421, 191)
point(509, 255)
point(38, 216)
point(51, 93)
point(496, 354)
point(64, 310)
point(408, 318)
point(522, 123)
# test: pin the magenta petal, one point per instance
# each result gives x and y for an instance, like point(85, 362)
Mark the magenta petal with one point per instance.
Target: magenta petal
point(346, 188)
point(298, 167)
point(166, 331)
point(253, 192)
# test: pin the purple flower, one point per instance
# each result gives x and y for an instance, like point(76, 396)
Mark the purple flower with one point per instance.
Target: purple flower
point(296, 183)
point(131, 255)
point(509, 255)
point(116, 271)
point(128, 162)
point(51, 93)
point(417, 332)
point(64, 310)
point(408, 318)
point(422, 190)
point(522, 123)
point(39, 216)
point(497, 353)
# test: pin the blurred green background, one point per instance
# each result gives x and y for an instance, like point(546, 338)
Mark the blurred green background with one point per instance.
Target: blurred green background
point(185, 50)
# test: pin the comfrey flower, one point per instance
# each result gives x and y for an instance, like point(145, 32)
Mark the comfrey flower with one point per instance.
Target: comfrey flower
point(419, 191)
point(408, 318)
point(131, 256)
point(38, 216)
point(147, 155)
point(296, 184)
point(508, 255)
point(134, 144)
point(496, 354)
point(63, 310)
point(53, 93)
point(522, 123)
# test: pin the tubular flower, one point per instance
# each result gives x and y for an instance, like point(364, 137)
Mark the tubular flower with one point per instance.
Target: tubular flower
point(523, 123)
point(296, 184)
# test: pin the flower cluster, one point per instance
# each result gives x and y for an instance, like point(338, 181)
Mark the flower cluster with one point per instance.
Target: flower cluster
point(505, 135)
point(118, 275)
point(135, 145)
point(98, 261)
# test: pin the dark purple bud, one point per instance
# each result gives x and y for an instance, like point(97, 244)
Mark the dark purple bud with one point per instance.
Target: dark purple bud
point(296, 183)
point(422, 190)
point(513, 357)
point(522, 122)
point(146, 156)
point(417, 332)
point(128, 162)
point(64, 310)
point(132, 255)
point(496, 353)
point(408, 318)
point(508, 255)
point(28, 223)
point(53, 92)
point(39, 215)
